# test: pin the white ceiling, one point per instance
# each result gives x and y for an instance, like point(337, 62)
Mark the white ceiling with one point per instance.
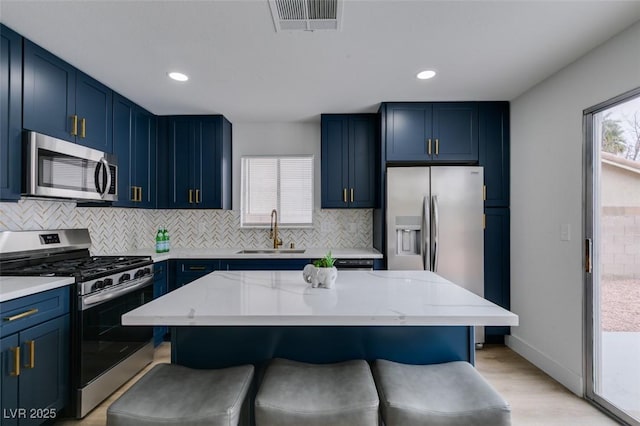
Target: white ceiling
point(240, 67)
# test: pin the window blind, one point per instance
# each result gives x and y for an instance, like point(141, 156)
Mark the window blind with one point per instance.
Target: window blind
point(281, 183)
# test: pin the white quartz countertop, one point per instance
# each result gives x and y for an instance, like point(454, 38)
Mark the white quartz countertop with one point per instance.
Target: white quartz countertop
point(15, 287)
point(232, 253)
point(283, 298)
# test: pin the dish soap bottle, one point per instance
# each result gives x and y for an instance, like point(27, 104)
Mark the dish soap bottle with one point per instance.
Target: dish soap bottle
point(159, 241)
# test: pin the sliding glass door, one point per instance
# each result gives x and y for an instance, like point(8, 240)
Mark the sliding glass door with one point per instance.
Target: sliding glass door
point(612, 255)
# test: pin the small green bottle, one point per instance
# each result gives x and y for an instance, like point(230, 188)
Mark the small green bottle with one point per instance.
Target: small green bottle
point(165, 237)
point(159, 242)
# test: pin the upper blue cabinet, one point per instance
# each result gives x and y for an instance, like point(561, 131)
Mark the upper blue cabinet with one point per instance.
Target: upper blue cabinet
point(431, 132)
point(494, 151)
point(349, 160)
point(10, 113)
point(194, 162)
point(63, 102)
point(134, 143)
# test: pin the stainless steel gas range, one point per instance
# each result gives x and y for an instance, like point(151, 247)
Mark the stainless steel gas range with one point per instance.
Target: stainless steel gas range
point(104, 354)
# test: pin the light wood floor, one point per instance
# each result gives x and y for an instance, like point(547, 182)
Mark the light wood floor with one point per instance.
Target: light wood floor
point(535, 398)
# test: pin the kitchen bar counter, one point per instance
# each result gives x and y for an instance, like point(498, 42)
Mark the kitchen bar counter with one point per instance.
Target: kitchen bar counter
point(360, 298)
point(230, 318)
point(232, 253)
point(15, 287)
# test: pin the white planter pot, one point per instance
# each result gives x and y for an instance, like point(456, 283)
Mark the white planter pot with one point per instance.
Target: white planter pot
point(320, 277)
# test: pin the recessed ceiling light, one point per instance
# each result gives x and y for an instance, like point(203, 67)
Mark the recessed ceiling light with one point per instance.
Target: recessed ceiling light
point(178, 76)
point(427, 74)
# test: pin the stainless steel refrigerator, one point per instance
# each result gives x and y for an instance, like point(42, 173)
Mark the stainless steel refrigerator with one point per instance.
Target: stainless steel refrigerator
point(435, 222)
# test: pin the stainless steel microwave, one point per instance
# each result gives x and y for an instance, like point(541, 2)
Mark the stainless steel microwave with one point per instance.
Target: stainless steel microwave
point(61, 169)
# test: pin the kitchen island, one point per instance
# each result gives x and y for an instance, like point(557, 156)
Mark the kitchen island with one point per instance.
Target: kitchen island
point(230, 318)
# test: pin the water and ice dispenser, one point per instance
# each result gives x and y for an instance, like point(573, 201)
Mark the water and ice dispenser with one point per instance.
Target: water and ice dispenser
point(408, 235)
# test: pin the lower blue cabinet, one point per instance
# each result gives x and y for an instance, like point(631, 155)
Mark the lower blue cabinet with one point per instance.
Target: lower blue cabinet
point(496, 266)
point(34, 358)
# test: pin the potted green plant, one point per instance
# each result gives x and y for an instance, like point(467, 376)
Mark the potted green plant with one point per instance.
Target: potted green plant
point(325, 273)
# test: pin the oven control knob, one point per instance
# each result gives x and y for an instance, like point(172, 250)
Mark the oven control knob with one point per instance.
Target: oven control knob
point(147, 271)
point(124, 277)
point(97, 285)
point(107, 282)
point(139, 273)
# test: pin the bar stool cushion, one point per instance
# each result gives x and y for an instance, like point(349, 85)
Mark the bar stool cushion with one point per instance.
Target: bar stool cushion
point(295, 393)
point(171, 394)
point(448, 394)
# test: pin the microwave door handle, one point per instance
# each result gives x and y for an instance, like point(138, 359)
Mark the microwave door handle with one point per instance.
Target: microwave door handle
point(107, 171)
point(106, 177)
point(97, 177)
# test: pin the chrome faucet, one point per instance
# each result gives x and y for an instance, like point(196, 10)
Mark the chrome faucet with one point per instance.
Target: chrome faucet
point(273, 234)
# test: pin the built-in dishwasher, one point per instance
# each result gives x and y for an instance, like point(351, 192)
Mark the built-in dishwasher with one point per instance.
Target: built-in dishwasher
point(354, 264)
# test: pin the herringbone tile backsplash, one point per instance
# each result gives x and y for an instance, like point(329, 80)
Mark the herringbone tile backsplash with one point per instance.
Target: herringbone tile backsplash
point(117, 230)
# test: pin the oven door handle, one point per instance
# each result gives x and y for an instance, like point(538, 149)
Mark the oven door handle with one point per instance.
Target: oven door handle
point(95, 299)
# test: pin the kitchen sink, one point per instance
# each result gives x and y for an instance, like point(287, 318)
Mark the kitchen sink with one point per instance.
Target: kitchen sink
point(270, 251)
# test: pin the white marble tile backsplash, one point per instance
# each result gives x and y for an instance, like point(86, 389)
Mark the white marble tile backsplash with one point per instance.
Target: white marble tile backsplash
point(115, 230)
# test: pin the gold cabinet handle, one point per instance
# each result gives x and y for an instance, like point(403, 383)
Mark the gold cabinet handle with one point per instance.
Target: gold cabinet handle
point(190, 196)
point(74, 125)
point(344, 194)
point(429, 146)
point(32, 354)
point(352, 195)
point(22, 315)
point(134, 193)
point(140, 193)
point(16, 361)
point(484, 192)
point(197, 268)
point(83, 128)
point(197, 196)
point(437, 146)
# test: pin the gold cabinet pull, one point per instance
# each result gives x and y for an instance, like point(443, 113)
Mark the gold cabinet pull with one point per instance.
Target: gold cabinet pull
point(437, 146)
point(484, 221)
point(32, 354)
point(484, 192)
point(16, 361)
point(22, 315)
point(134, 193)
point(197, 196)
point(429, 146)
point(74, 125)
point(140, 193)
point(190, 196)
point(83, 128)
point(352, 195)
point(197, 268)
point(344, 194)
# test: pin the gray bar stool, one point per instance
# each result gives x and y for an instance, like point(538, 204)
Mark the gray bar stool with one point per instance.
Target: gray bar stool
point(448, 394)
point(295, 393)
point(175, 395)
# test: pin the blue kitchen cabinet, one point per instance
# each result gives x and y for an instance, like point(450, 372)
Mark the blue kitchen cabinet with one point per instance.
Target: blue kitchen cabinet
point(496, 265)
point(10, 114)
point(494, 151)
point(34, 353)
point(160, 288)
point(263, 264)
point(63, 102)
point(349, 160)
point(190, 270)
point(431, 132)
point(134, 143)
point(198, 156)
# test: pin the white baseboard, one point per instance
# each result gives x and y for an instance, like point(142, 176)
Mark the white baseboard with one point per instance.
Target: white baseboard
point(564, 376)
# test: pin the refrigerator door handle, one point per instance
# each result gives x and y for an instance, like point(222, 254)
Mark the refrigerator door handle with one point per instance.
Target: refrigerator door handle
point(426, 257)
point(436, 231)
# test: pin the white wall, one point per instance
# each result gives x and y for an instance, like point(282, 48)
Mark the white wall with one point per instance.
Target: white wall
point(546, 192)
point(285, 138)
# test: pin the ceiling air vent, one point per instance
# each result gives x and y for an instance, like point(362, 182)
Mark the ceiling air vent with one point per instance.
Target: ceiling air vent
point(306, 15)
